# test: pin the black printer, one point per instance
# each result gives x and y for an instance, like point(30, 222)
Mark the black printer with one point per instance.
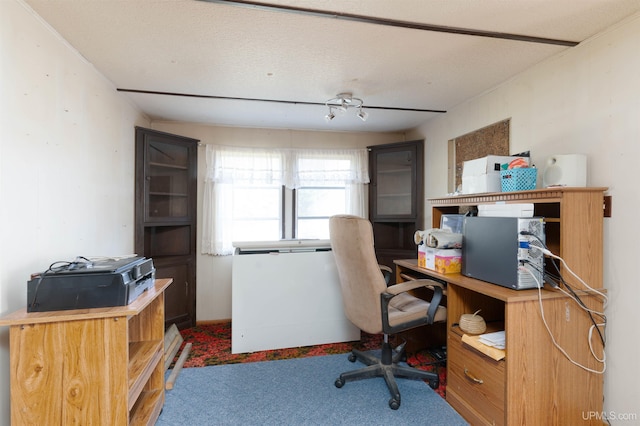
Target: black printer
point(87, 283)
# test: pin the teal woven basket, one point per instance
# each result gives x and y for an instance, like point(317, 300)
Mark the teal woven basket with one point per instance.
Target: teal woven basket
point(521, 179)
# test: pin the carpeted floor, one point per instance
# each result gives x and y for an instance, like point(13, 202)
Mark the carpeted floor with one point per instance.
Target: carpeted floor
point(297, 392)
point(211, 345)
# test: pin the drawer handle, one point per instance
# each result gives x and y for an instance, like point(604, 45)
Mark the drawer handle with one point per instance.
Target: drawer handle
point(472, 377)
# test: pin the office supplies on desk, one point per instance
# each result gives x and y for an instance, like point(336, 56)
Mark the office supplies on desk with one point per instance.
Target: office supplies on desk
point(495, 339)
point(474, 341)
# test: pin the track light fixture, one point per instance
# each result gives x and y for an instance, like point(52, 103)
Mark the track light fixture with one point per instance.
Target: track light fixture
point(341, 103)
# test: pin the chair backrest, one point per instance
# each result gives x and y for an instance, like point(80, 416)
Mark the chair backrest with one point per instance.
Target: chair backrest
point(361, 280)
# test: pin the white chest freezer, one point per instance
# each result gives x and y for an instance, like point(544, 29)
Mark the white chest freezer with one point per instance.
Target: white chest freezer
point(286, 294)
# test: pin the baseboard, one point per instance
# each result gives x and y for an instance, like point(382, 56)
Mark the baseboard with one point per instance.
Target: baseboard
point(212, 322)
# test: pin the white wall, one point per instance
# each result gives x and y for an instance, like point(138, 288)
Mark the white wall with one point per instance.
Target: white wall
point(586, 100)
point(66, 162)
point(213, 281)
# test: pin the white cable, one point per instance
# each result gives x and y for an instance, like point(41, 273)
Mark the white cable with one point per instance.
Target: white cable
point(605, 299)
point(553, 340)
point(581, 305)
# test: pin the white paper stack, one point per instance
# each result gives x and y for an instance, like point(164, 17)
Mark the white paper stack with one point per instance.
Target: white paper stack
point(496, 340)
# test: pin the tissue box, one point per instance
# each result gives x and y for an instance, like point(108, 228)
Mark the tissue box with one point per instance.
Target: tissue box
point(444, 261)
point(483, 174)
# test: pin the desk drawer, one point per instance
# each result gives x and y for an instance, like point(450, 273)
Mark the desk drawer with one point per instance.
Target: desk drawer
point(478, 382)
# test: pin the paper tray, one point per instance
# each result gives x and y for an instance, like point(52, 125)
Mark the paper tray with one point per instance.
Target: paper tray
point(474, 342)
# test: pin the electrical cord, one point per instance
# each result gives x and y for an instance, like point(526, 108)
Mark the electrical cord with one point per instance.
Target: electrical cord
point(605, 299)
point(578, 300)
point(58, 266)
point(572, 295)
point(559, 279)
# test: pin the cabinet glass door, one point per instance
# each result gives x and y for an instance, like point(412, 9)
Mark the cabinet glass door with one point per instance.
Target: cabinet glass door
point(167, 181)
point(394, 183)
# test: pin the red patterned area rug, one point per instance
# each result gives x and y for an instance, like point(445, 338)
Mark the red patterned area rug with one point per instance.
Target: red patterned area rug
point(211, 345)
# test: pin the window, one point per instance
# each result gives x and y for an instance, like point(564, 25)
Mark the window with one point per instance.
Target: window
point(257, 212)
point(258, 194)
point(314, 207)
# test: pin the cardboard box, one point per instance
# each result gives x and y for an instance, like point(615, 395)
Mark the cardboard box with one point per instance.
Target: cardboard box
point(483, 174)
point(444, 261)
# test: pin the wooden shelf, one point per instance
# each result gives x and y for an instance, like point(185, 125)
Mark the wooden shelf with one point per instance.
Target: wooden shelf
point(147, 407)
point(168, 166)
point(143, 359)
point(535, 196)
point(395, 194)
point(168, 194)
point(491, 327)
point(67, 366)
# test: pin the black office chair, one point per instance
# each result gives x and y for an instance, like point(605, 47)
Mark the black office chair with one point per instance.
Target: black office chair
point(376, 308)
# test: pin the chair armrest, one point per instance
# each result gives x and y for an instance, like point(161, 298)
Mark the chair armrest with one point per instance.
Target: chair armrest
point(405, 286)
point(392, 291)
point(386, 273)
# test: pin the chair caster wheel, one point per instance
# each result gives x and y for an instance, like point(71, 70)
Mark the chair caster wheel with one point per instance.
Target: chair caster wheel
point(352, 358)
point(394, 404)
point(434, 384)
point(339, 383)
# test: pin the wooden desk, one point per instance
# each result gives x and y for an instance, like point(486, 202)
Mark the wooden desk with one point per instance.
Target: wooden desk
point(89, 366)
point(535, 384)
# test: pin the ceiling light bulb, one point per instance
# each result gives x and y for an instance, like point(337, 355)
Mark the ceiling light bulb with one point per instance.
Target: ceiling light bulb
point(329, 116)
point(342, 103)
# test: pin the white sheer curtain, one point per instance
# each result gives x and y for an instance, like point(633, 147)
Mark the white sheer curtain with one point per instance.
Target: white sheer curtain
point(293, 168)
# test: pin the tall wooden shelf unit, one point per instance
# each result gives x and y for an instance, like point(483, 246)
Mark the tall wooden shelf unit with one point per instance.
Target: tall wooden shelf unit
point(535, 383)
point(101, 366)
point(165, 225)
point(395, 198)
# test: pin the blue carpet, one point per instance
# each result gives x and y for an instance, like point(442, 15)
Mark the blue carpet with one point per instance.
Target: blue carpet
point(297, 392)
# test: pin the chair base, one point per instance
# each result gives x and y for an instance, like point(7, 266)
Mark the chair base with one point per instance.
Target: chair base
point(387, 367)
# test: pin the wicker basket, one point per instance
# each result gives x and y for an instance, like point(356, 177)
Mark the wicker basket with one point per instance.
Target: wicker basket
point(472, 323)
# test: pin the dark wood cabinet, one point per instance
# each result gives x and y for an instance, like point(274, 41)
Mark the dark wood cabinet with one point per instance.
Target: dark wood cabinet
point(165, 216)
point(395, 198)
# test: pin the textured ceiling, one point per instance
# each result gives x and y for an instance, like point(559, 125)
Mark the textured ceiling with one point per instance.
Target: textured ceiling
point(229, 58)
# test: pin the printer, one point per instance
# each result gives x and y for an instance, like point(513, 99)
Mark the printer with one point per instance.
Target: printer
point(90, 284)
